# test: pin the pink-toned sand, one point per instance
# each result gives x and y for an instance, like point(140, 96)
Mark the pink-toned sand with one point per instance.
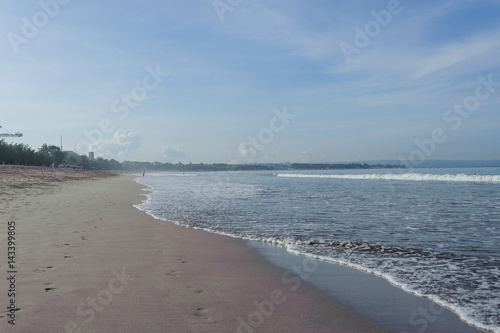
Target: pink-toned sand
point(88, 261)
point(13, 178)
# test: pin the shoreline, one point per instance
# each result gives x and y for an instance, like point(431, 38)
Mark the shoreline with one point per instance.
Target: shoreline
point(405, 311)
point(370, 296)
point(88, 260)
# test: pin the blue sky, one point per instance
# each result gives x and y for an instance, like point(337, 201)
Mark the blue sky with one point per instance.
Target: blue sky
point(254, 80)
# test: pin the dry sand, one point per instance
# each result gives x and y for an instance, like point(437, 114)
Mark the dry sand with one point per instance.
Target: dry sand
point(88, 261)
point(39, 179)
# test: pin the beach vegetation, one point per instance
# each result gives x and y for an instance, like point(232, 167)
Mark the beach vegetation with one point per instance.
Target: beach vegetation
point(22, 154)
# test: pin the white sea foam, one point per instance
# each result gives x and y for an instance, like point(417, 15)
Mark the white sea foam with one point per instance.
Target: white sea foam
point(405, 176)
point(463, 313)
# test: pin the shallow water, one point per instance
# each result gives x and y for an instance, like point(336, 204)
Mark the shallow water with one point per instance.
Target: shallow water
point(435, 232)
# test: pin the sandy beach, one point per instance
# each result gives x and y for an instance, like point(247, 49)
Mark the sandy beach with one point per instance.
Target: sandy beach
point(86, 260)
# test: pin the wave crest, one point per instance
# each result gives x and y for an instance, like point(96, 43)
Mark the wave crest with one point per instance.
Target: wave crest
point(406, 176)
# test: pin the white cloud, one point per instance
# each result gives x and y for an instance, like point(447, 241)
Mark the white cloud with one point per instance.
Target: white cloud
point(173, 154)
point(246, 153)
point(120, 146)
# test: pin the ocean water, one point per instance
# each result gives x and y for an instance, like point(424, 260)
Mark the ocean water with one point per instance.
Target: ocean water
point(432, 232)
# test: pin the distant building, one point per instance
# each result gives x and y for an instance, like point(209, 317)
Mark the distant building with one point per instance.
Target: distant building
point(91, 155)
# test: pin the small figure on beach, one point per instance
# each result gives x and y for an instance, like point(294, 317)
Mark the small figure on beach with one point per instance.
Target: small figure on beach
point(143, 172)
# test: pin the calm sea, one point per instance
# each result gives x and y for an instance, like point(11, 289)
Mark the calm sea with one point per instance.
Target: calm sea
point(432, 232)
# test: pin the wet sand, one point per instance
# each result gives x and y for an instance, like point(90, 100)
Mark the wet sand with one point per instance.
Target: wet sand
point(367, 295)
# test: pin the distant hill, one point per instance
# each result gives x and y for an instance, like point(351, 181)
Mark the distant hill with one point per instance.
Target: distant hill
point(444, 163)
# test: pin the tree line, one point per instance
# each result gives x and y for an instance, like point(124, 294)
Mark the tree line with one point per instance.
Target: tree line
point(157, 166)
point(22, 154)
point(197, 167)
point(47, 155)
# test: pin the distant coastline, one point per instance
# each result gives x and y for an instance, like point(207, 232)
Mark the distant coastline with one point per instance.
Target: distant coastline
point(156, 166)
point(50, 155)
point(443, 163)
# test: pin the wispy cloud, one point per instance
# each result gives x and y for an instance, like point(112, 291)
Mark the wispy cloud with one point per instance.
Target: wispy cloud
point(456, 53)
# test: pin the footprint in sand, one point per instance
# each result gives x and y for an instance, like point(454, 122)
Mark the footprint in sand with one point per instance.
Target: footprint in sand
point(60, 245)
point(201, 314)
point(198, 291)
point(182, 261)
point(5, 313)
point(67, 256)
point(173, 273)
point(92, 223)
point(84, 238)
point(42, 270)
point(50, 290)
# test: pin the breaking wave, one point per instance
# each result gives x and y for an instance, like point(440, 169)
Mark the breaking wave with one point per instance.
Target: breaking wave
point(406, 176)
